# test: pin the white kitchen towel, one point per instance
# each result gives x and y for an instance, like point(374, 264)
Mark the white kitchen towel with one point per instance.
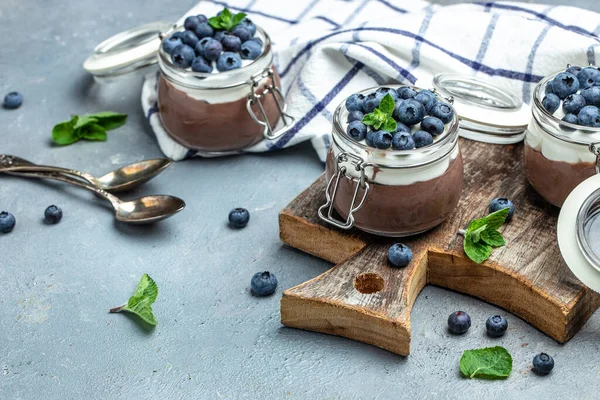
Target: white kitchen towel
point(326, 50)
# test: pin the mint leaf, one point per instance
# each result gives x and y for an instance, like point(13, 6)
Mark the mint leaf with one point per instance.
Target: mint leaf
point(93, 132)
point(140, 303)
point(488, 363)
point(478, 252)
point(226, 14)
point(215, 22)
point(64, 133)
point(495, 220)
point(83, 121)
point(90, 127)
point(390, 125)
point(108, 119)
point(387, 105)
point(493, 238)
point(237, 18)
point(477, 232)
point(369, 119)
point(380, 118)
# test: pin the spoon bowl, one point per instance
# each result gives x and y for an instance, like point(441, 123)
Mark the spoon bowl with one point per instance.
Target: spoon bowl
point(132, 175)
point(148, 209)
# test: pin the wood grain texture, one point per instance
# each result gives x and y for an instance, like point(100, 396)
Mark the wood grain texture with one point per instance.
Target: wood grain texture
point(528, 277)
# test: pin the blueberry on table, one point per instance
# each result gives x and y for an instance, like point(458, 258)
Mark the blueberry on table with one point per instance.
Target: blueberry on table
point(427, 98)
point(371, 102)
point(13, 100)
point(399, 255)
point(403, 141)
point(410, 112)
point(200, 64)
point(406, 92)
point(573, 103)
point(382, 91)
point(171, 43)
point(228, 61)
point(250, 50)
point(551, 102)
point(191, 23)
point(591, 96)
point(443, 111)
point(459, 322)
point(7, 222)
point(53, 215)
point(189, 38)
point(355, 116)
point(565, 84)
point(182, 56)
point(382, 140)
point(231, 43)
point(422, 139)
point(248, 24)
point(587, 77)
point(500, 203)
point(239, 217)
point(211, 49)
point(433, 125)
point(574, 70)
point(496, 325)
point(263, 284)
point(355, 102)
point(357, 130)
point(241, 32)
point(204, 30)
point(543, 364)
point(589, 116)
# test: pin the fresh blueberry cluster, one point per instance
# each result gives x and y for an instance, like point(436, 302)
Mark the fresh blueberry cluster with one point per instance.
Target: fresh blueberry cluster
point(202, 46)
point(577, 92)
point(419, 118)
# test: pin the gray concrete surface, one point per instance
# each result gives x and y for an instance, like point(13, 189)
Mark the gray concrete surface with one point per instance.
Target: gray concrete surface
point(214, 340)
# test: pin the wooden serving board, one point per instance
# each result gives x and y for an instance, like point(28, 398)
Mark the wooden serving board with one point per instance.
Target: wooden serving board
point(364, 299)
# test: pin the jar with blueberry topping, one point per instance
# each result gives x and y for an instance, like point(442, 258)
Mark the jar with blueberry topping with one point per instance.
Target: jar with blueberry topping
point(561, 139)
point(218, 91)
point(397, 184)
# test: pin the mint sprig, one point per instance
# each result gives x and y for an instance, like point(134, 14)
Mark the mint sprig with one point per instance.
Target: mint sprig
point(88, 127)
point(482, 236)
point(488, 363)
point(226, 20)
point(140, 303)
point(381, 117)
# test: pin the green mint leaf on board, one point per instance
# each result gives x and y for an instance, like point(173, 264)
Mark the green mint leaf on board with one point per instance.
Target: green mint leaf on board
point(488, 363)
point(93, 132)
point(390, 125)
point(89, 127)
point(64, 133)
point(495, 220)
point(83, 121)
point(109, 120)
point(478, 252)
point(493, 238)
point(140, 303)
point(387, 105)
point(475, 233)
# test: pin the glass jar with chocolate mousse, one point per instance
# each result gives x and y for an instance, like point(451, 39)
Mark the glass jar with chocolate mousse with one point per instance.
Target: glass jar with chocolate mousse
point(558, 152)
point(391, 192)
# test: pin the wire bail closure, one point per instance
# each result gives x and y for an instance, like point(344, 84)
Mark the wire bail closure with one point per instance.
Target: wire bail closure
point(255, 97)
point(594, 148)
point(361, 182)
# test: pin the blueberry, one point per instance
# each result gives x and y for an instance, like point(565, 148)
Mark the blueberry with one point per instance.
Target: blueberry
point(459, 322)
point(13, 100)
point(573, 103)
point(548, 88)
point(182, 56)
point(382, 91)
point(200, 64)
point(202, 18)
point(231, 43)
point(251, 50)
point(228, 61)
point(400, 127)
point(433, 125)
point(370, 137)
point(204, 30)
point(219, 35)
point(382, 140)
point(263, 284)
point(574, 70)
point(551, 102)
point(357, 130)
point(496, 325)
point(399, 255)
point(178, 35)
point(170, 43)
point(241, 32)
point(410, 112)
point(210, 49)
point(191, 23)
point(543, 364)
point(570, 118)
point(53, 215)
point(406, 92)
point(443, 111)
point(587, 77)
point(257, 40)
point(371, 102)
point(427, 98)
point(500, 203)
point(249, 25)
point(591, 96)
point(7, 222)
point(403, 141)
point(189, 38)
point(565, 84)
point(422, 139)
point(355, 116)
point(239, 217)
point(589, 116)
point(355, 102)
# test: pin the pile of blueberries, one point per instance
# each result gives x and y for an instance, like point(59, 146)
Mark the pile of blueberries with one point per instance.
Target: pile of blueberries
point(199, 45)
point(578, 89)
point(412, 108)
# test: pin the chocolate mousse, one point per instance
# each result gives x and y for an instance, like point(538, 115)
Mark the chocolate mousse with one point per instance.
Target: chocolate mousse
point(218, 127)
point(401, 210)
point(554, 180)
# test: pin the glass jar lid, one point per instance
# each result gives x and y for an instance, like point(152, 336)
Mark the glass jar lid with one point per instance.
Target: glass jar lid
point(127, 51)
point(487, 113)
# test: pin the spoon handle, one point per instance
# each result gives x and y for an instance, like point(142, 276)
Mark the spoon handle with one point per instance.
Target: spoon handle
point(44, 168)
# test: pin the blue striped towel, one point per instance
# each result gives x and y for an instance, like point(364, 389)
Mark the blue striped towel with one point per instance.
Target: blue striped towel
point(327, 49)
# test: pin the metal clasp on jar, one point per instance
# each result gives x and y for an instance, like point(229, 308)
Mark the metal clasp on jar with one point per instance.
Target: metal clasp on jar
point(594, 148)
point(255, 97)
point(340, 171)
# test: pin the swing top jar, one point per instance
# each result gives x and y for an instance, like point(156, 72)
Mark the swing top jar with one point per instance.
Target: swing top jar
point(391, 192)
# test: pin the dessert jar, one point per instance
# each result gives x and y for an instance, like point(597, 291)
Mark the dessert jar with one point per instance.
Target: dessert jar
point(391, 192)
point(558, 155)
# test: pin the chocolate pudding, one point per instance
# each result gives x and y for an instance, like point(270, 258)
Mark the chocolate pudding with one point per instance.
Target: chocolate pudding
point(217, 127)
point(554, 180)
point(401, 210)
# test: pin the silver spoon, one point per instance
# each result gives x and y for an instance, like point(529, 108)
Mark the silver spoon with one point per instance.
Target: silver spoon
point(121, 179)
point(145, 210)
